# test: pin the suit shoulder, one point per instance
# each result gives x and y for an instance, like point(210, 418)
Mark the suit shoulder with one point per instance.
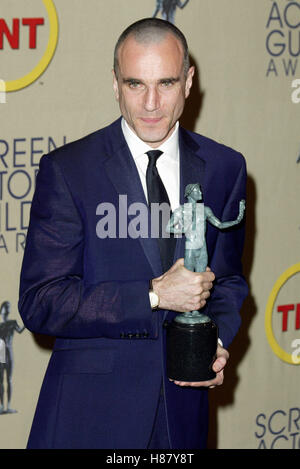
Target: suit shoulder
point(214, 150)
point(85, 150)
point(77, 149)
point(77, 161)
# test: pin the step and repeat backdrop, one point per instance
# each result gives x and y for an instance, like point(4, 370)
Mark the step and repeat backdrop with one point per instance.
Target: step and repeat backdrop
point(56, 86)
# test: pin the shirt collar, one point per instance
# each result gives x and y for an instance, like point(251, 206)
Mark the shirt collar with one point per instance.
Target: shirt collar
point(138, 147)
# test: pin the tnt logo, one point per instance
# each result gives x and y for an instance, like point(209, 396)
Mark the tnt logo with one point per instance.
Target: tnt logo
point(291, 321)
point(13, 34)
point(26, 25)
point(285, 309)
point(282, 319)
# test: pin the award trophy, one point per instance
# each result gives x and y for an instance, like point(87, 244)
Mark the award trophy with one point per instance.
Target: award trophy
point(192, 337)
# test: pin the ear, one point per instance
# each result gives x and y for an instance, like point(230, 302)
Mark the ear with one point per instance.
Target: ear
point(189, 81)
point(115, 85)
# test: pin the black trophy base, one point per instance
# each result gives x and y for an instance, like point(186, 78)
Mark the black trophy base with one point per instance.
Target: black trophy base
point(191, 351)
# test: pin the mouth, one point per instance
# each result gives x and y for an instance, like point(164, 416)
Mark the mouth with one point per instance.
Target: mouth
point(151, 120)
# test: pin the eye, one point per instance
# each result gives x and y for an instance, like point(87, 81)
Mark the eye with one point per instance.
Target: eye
point(134, 84)
point(167, 83)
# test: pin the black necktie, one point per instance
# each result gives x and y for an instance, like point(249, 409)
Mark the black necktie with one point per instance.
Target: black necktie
point(158, 194)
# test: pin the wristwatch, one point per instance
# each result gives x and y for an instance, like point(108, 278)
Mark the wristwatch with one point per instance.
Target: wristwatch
point(153, 297)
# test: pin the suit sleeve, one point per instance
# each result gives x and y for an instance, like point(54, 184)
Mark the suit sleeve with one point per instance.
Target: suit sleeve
point(54, 296)
point(230, 287)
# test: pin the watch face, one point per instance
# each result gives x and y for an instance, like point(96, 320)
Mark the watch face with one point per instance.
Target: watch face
point(153, 299)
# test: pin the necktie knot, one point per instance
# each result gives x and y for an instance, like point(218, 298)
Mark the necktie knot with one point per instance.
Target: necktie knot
point(153, 156)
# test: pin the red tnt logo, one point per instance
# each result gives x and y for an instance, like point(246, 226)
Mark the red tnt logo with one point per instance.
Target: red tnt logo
point(285, 309)
point(13, 34)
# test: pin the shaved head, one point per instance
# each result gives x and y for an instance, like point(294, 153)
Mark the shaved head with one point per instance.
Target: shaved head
point(152, 30)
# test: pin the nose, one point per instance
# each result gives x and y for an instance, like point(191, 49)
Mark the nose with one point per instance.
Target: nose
point(151, 99)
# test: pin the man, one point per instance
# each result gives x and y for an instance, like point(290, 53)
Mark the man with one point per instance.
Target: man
point(106, 385)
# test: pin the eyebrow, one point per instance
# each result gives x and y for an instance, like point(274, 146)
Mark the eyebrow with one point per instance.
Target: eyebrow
point(130, 80)
point(161, 80)
point(171, 79)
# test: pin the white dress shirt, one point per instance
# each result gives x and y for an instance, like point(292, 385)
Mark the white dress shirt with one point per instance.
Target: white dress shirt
point(167, 164)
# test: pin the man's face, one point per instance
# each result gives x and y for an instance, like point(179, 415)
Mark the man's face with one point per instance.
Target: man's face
point(151, 87)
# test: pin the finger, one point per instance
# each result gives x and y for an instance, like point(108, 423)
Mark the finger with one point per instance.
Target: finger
point(205, 295)
point(211, 383)
point(183, 383)
point(208, 269)
point(206, 277)
point(219, 364)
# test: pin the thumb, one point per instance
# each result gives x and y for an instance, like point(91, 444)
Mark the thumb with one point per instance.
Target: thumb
point(178, 263)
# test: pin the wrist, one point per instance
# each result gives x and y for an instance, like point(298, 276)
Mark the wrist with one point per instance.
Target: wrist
point(153, 296)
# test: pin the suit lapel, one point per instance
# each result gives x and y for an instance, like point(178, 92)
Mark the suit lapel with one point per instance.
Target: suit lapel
point(123, 173)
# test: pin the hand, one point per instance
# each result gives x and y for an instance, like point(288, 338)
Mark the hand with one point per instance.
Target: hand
point(181, 290)
point(218, 367)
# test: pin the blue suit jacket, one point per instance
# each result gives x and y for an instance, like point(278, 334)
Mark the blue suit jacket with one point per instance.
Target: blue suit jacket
point(104, 376)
